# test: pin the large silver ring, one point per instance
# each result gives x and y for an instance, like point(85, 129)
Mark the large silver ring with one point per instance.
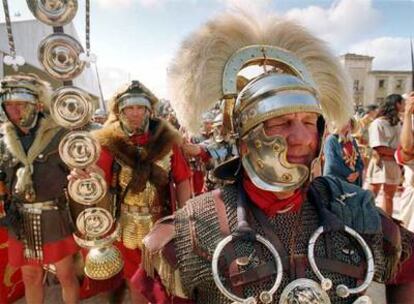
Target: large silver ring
point(342, 290)
point(79, 149)
point(59, 55)
point(265, 296)
point(94, 222)
point(87, 191)
point(71, 107)
point(53, 12)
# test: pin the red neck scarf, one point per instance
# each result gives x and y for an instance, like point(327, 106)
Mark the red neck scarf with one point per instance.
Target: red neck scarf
point(139, 139)
point(269, 203)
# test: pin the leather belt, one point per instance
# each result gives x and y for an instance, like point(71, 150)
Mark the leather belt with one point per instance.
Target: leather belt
point(40, 206)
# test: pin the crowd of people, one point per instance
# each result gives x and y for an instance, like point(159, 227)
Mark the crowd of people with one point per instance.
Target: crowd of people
point(232, 212)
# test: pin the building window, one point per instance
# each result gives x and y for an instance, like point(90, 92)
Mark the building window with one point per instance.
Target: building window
point(356, 85)
point(381, 83)
point(399, 84)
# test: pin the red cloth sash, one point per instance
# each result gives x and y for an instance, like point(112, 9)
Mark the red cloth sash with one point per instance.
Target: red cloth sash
point(269, 203)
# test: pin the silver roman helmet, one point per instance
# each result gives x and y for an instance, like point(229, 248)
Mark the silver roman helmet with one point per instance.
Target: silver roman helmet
point(134, 93)
point(265, 160)
point(294, 73)
point(30, 92)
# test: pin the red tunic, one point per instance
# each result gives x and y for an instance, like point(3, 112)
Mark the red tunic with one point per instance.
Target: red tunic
point(52, 252)
point(199, 175)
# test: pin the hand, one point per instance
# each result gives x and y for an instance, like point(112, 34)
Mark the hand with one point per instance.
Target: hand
point(409, 104)
point(352, 177)
point(191, 149)
point(77, 173)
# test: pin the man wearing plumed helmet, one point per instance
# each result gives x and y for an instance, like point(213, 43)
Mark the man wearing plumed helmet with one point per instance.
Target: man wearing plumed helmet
point(279, 233)
point(37, 215)
point(144, 166)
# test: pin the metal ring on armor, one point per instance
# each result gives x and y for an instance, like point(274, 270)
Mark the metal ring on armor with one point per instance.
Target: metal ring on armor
point(342, 290)
point(79, 149)
point(53, 12)
point(59, 55)
point(265, 296)
point(88, 191)
point(94, 222)
point(71, 107)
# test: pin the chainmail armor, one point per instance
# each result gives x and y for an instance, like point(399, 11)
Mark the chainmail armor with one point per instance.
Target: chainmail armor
point(195, 270)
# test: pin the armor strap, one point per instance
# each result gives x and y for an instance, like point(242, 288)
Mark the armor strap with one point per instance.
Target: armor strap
point(270, 235)
point(357, 272)
point(268, 269)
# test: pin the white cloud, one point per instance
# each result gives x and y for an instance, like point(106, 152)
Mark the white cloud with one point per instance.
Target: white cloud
point(391, 53)
point(246, 4)
point(342, 23)
point(256, 8)
point(144, 3)
point(152, 73)
point(152, 3)
point(115, 3)
point(111, 79)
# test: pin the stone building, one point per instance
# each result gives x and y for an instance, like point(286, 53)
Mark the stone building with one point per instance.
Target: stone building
point(372, 86)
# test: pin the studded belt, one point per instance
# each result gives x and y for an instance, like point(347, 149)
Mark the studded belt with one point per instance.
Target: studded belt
point(141, 209)
point(32, 228)
point(40, 206)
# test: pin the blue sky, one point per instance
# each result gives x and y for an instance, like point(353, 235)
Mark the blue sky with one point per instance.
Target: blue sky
point(136, 39)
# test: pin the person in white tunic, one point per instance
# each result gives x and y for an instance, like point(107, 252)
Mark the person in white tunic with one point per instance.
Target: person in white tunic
point(383, 170)
point(405, 156)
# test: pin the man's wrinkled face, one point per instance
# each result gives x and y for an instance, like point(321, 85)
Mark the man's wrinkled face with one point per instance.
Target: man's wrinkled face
point(301, 133)
point(20, 112)
point(135, 117)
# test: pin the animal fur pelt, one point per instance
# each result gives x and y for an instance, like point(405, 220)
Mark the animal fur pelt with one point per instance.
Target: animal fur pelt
point(47, 130)
point(195, 75)
point(162, 139)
